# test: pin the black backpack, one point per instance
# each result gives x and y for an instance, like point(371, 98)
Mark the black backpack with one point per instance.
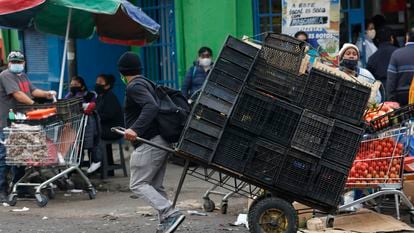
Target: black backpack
point(173, 111)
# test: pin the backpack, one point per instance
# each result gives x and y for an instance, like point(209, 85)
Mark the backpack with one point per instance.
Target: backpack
point(173, 111)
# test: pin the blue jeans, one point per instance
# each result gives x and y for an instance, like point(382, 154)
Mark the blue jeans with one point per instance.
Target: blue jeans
point(3, 167)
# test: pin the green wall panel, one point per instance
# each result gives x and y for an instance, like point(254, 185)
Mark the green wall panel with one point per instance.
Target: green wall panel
point(208, 23)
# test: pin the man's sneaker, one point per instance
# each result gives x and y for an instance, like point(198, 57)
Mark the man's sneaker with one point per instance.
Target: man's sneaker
point(94, 167)
point(170, 224)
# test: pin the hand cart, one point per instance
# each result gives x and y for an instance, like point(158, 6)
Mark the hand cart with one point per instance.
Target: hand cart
point(378, 168)
point(56, 145)
point(269, 211)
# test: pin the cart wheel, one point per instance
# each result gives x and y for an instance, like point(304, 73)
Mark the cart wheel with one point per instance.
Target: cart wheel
point(272, 215)
point(208, 205)
point(50, 193)
point(41, 199)
point(223, 208)
point(92, 193)
point(12, 200)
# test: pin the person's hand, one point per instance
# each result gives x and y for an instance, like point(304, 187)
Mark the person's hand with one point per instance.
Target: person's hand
point(130, 135)
point(50, 94)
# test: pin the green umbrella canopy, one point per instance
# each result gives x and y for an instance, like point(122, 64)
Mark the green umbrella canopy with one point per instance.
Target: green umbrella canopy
point(53, 17)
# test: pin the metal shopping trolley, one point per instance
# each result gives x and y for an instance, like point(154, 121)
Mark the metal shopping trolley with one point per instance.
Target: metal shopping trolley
point(57, 144)
point(378, 168)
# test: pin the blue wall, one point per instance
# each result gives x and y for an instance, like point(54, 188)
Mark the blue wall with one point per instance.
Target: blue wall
point(95, 57)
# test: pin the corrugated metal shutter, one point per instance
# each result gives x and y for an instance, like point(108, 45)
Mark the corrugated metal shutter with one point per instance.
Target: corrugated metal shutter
point(36, 52)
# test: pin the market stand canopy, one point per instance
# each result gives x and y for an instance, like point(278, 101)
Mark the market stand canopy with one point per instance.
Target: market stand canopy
point(116, 21)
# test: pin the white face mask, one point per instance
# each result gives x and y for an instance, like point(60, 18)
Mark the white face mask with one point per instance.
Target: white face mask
point(204, 62)
point(371, 34)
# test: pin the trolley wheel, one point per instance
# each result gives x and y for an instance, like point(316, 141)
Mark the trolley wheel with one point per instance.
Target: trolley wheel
point(208, 205)
point(41, 199)
point(50, 193)
point(12, 200)
point(272, 215)
point(224, 207)
point(92, 193)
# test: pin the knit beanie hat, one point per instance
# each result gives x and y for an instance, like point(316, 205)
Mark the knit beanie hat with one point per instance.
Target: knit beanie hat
point(129, 64)
point(345, 47)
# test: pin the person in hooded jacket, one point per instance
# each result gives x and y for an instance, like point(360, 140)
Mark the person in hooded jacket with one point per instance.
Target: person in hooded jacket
point(197, 74)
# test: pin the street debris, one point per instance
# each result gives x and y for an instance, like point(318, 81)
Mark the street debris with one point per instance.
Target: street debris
point(196, 213)
point(45, 218)
point(5, 204)
point(24, 209)
point(241, 220)
point(315, 224)
point(110, 217)
point(76, 191)
point(67, 195)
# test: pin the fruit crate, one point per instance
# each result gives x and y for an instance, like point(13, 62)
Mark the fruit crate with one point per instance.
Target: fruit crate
point(351, 102)
point(297, 171)
point(282, 122)
point(392, 119)
point(236, 57)
point(216, 103)
point(198, 144)
point(312, 133)
point(232, 151)
point(278, 46)
point(321, 91)
point(241, 47)
point(225, 80)
point(210, 115)
point(251, 111)
point(328, 184)
point(343, 143)
point(277, 82)
point(265, 161)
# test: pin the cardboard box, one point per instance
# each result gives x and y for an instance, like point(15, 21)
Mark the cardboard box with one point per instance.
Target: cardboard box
point(304, 213)
point(408, 189)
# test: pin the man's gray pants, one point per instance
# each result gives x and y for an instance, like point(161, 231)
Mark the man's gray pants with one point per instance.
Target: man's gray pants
point(148, 165)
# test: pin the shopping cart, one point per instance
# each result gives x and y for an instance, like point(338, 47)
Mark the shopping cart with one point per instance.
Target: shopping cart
point(378, 168)
point(56, 145)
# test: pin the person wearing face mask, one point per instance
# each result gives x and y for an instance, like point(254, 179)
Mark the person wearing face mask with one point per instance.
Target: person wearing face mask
point(15, 88)
point(93, 127)
point(366, 44)
point(401, 71)
point(348, 62)
point(110, 112)
point(197, 74)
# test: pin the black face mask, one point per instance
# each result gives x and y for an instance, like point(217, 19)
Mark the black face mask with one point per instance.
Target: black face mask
point(75, 90)
point(349, 64)
point(99, 89)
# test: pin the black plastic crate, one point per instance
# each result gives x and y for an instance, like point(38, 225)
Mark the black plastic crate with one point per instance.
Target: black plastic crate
point(229, 68)
point(283, 52)
point(285, 42)
point(236, 57)
point(392, 119)
point(205, 126)
point(351, 102)
point(196, 151)
point(232, 151)
point(251, 111)
point(225, 80)
point(343, 143)
point(215, 103)
point(68, 108)
point(320, 93)
point(328, 184)
point(220, 92)
point(210, 115)
point(282, 122)
point(265, 161)
point(312, 133)
point(200, 138)
point(277, 82)
point(297, 171)
point(242, 47)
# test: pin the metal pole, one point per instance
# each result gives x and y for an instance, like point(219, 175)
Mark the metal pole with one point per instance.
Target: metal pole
point(65, 48)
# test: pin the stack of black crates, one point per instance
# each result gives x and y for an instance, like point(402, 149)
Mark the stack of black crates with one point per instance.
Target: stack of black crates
point(290, 133)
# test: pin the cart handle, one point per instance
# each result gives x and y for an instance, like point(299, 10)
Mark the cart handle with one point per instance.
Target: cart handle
point(120, 130)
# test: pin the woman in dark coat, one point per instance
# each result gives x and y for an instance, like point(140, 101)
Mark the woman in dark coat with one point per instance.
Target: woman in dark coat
point(110, 112)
